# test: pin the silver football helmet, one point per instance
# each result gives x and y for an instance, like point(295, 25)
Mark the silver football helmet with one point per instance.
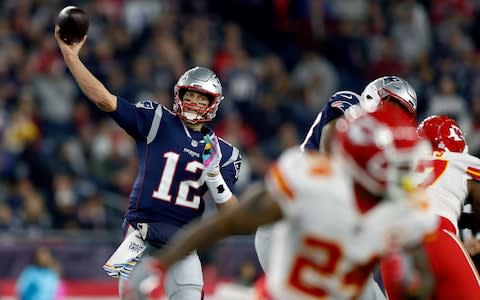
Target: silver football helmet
point(202, 80)
point(389, 87)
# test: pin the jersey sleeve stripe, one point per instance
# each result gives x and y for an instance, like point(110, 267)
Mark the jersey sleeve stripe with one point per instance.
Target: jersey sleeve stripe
point(475, 173)
point(310, 131)
point(280, 182)
point(233, 157)
point(155, 124)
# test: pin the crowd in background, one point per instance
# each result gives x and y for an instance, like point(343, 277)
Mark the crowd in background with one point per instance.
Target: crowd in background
point(66, 165)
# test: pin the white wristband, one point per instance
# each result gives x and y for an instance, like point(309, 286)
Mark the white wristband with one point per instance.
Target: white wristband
point(218, 188)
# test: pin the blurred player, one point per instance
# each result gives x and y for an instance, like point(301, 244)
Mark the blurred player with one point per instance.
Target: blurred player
point(322, 127)
point(319, 136)
point(449, 177)
point(388, 88)
point(336, 215)
point(392, 89)
point(179, 159)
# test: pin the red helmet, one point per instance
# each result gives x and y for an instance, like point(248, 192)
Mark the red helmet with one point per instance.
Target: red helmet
point(380, 148)
point(444, 134)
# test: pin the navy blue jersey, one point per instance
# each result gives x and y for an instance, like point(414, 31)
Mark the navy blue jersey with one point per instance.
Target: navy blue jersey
point(333, 109)
point(169, 185)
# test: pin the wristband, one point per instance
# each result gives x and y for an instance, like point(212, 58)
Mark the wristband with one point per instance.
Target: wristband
point(218, 188)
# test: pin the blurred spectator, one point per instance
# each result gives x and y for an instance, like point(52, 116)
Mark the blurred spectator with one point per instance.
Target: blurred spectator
point(474, 138)
point(241, 86)
point(66, 200)
point(92, 214)
point(40, 280)
point(287, 137)
point(446, 101)
point(317, 77)
point(347, 49)
point(33, 216)
point(238, 133)
point(139, 13)
point(56, 94)
point(7, 220)
point(20, 132)
point(232, 42)
point(411, 29)
point(442, 10)
point(388, 62)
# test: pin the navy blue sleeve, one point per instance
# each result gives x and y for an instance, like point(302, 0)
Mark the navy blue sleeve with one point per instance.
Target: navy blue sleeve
point(135, 119)
point(333, 109)
point(230, 164)
point(337, 105)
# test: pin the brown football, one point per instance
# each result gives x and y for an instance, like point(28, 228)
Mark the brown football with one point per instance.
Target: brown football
point(73, 24)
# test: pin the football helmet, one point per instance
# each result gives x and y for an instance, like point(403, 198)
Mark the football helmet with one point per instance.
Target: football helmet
point(444, 134)
point(201, 80)
point(391, 88)
point(380, 149)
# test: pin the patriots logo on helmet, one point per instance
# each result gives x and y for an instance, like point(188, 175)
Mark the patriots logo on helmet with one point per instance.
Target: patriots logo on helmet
point(342, 105)
point(390, 79)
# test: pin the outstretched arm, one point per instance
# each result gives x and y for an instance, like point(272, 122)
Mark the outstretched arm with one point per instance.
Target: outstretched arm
point(89, 85)
point(231, 202)
point(326, 138)
point(257, 208)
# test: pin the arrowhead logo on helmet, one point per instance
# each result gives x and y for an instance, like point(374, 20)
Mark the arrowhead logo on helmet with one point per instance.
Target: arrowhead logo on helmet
point(444, 134)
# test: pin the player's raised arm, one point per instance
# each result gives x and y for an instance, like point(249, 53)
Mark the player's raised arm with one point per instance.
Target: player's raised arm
point(88, 83)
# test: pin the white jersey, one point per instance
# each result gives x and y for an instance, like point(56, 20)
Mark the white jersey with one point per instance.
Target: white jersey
point(325, 248)
point(447, 182)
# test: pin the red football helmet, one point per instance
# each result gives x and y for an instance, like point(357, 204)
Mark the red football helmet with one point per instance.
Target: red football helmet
point(444, 134)
point(380, 148)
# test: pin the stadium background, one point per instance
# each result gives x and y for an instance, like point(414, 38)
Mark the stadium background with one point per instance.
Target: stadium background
point(66, 169)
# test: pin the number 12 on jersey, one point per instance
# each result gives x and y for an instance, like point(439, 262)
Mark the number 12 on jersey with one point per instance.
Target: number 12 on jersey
point(164, 188)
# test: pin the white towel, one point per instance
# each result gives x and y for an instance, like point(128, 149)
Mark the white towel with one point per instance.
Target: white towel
point(127, 255)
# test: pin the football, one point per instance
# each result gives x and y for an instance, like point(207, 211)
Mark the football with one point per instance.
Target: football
point(73, 24)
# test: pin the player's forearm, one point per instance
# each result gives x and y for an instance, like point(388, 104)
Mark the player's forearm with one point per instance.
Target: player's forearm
point(256, 209)
point(90, 85)
point(198, 235)
point(202, 233)
point(228, 204)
